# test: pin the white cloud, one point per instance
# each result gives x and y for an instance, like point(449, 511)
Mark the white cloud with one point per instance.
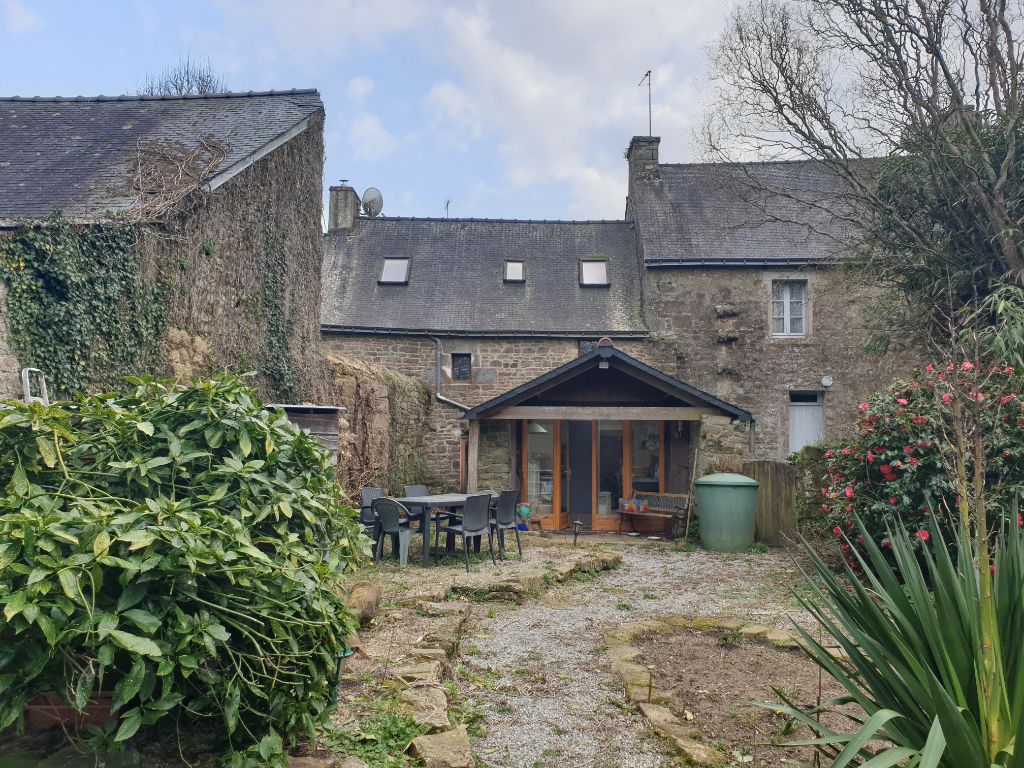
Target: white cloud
point(19, 18)
point(368, 139)
point(557, 83)
point(359, 89)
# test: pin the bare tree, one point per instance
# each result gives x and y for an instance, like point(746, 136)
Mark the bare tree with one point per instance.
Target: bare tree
point(932, 86)
point(188, 77)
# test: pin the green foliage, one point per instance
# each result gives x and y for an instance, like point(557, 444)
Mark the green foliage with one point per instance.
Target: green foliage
point(380, 742)
point(276, 363)
point(900, 462)
point(181, 547)
point(921, 662)
point(78, 306)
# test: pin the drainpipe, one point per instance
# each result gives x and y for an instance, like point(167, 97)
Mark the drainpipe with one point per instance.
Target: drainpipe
point(437, 378)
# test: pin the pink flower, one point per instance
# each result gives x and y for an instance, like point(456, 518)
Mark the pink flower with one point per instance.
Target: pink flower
point(886, 543)
point(829, 453)
point(966, 366)
point(929, 368)
point(848, 492)
point(870, 457)
point(922, 535)
point(1008, 370)
point(837, 531)
point(892, 501)
point(950, 368)
point(947, 398)
point(824, 507)
point(901, 401)
point(863, 407)
point(846, 451)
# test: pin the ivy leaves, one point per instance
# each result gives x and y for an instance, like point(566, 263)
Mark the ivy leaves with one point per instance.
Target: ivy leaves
point(78, 305)
point(178, 546)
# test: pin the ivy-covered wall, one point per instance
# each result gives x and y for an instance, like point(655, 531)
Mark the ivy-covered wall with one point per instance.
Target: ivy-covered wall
point(246, 264)
point(230, 281)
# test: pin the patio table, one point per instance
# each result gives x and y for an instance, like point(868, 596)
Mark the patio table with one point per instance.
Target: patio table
point(447, 501)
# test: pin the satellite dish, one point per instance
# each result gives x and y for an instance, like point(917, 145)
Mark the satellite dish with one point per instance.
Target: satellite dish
point(373, 202)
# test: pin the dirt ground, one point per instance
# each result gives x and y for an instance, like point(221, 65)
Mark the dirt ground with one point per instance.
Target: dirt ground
point(713, 678)
point(539, 675)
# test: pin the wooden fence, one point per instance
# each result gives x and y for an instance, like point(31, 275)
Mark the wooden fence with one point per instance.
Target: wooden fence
point(776, 501)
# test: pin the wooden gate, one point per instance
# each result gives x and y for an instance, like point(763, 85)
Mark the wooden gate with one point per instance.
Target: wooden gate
point(776, 500)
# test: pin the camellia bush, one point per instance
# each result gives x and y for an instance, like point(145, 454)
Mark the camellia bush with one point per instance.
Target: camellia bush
point(900, 465)
point(180, 547)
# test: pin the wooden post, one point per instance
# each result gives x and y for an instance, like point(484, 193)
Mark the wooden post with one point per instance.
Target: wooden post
point(472, 471)
point(776, 501)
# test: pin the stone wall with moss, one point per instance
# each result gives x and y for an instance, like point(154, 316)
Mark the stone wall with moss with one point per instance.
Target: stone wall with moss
point(244, 266)
point(384, 428)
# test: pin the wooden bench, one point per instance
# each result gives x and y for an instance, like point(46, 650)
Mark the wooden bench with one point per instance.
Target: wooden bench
point(670, 507)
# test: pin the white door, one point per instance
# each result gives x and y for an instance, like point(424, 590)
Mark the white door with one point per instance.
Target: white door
point(806, 425)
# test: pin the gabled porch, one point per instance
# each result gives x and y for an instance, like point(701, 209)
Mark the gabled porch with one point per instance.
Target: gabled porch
point(597, 429)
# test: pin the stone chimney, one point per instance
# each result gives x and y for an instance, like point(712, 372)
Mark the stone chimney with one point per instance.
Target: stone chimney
point(343, 208)
point(642, 156)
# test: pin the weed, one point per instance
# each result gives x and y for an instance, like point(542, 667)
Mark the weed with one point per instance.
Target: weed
point(491, 613)
point(381, 741)
point(584, 575)
point(650, 596)
point(731, 638)
point(624, 607)
point(758, 548)
point(471, 650)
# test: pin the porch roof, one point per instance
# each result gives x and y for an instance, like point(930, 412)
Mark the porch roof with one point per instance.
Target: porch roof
point(646, 376)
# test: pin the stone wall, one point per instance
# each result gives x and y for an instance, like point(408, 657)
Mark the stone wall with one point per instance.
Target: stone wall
point(715, 325)
point(496, 460)
point(245, 266)
point(724, 445)
point(384, 427)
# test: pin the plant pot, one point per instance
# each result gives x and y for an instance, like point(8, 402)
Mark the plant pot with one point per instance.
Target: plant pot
point(48, 710)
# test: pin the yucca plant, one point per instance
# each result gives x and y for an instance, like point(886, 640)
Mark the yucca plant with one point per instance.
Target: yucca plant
point(932, 652)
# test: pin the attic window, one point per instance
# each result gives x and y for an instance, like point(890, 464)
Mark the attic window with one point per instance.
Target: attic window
point(593, 272)
point(462, 367)
point(515, 272)
point(395, 272)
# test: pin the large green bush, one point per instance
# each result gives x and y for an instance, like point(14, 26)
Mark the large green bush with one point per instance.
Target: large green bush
point(901, 460)
point(180, 546)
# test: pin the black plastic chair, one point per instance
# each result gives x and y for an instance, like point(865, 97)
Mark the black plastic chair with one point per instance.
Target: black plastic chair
point(366, 496)
point(505, 519)
point(476, 521)
point(392, 520)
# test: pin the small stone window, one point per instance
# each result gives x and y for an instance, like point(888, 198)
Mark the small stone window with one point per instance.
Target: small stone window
point(395, 272)
point(789, 307)
point(462, 367)
point(515, 272)
point(594, 272)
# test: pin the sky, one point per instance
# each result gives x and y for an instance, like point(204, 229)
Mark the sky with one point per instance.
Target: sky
point(506, 109)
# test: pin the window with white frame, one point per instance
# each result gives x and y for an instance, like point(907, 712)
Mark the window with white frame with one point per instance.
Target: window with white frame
point(515, 271)
point(594, 272)
point(789, 307)
point(395, 271)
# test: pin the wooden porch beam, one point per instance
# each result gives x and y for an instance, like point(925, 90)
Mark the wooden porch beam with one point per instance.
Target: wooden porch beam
point(602, 413)
point(472, 458)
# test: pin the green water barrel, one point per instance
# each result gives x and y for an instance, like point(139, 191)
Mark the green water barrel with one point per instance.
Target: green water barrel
point(727, 505)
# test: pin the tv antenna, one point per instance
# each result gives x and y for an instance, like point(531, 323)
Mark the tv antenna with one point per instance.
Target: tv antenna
point(447, 202)
point(647, 79)
point(373, 202)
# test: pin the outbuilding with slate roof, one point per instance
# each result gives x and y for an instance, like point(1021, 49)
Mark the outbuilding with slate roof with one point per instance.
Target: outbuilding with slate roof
point(225, 193)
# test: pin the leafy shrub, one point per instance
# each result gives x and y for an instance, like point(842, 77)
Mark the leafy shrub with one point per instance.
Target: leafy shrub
point(936, 673)
point(181, 547)
point(900, 463)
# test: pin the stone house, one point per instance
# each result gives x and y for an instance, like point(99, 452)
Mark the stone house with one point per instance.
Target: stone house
point(581, 361)
point(224, 191)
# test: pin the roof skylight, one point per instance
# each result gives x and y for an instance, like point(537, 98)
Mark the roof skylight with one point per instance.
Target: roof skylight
point(594, 272)
point(515, 272)
point(395, 271)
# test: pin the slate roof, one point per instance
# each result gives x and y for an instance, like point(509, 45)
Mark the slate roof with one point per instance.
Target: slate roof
point(746, 213)
point(586, 363)
point(456, 278)
point(80, 154)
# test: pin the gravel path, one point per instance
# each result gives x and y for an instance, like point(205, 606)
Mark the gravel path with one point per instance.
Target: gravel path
point(539, 671)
